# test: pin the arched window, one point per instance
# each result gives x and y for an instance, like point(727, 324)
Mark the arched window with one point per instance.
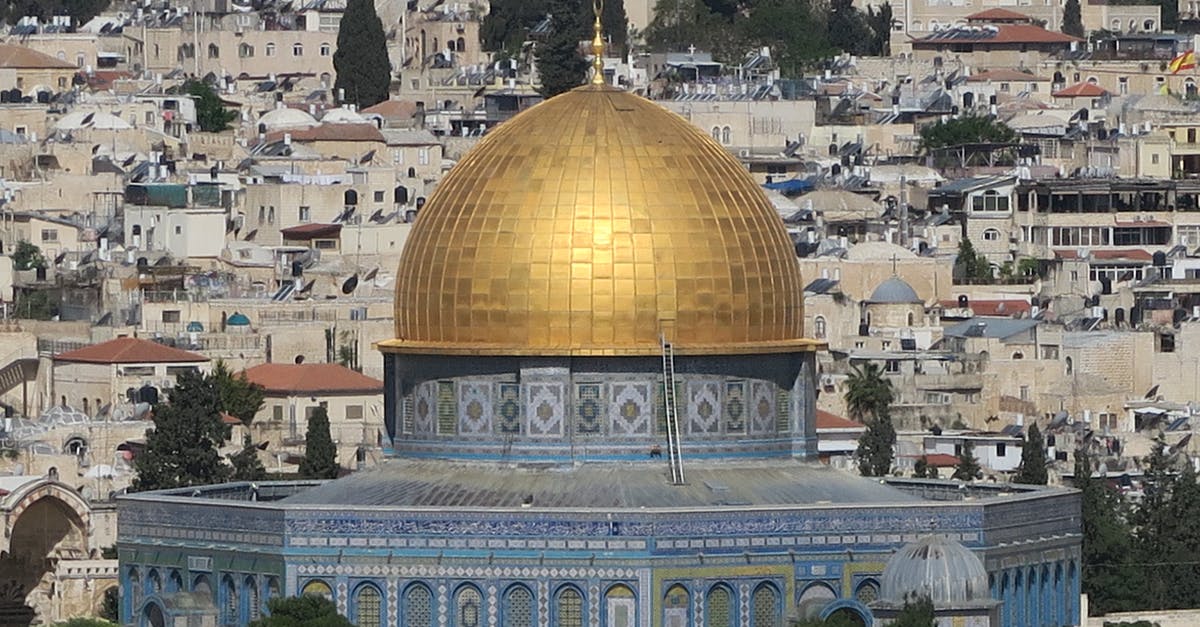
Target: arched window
point(1070, 365)
point(991, 235)
point(174, 582)
point(620, 606)
point(418, 606)
point(819, 327)
point(270, 49)
point(462, 44)
point(468, 607)
point(153, 582)
point(518, 607)
point(568, 608)
point(326, 50)
point(368, 606)
point(317, 588)
point(214, 52)
point(867, 592)
point(719, 608)
point(253, 602)
point(764, 609)
point(677, 605)
point(200, 584)
point(910, 319)
point(725, 136)
point(245, 50)
point(412, 173)
point(229, 606)
point(272, 587)
point(716, 133)
point(350, 197)
point(297, 50)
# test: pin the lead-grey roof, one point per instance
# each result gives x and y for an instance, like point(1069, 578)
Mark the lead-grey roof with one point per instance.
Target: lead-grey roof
point(894, 291)
point(431, 483)
point(990, 327)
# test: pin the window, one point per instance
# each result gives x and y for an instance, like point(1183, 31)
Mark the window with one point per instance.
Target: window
point(1123, 85)
point(245, 51)
point(214, 52)
point(354, 412)
point(317, 588)
point(819, 327)
point(726, 136)
point(175, 371)
point(716, 133)
point(368, 606)
point(423, 156)
point(270, 215)
point(892, 365)
point(991, 235)
point(991, 200)
point(270, 49)
point(720, 611)
point(518, 607)
point(252, 601)
point(764, 610)
point(305, 214)
point(137, 371)
point(1154, 159)
point(277, 413)
point(229, 609)
point(418, 607)
point(297, 50)
point(677, 607)
point(262, 214)
point(1003, 86)
point(326, 50)
point(569, 608)
point(467, 608)
point(380, 196)
point(49, 235)
point(1024, 393)
point(178, 230)
point(1001, 449)
point(325, 244)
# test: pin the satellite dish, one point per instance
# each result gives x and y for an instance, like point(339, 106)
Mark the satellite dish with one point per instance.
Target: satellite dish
point(349, 285)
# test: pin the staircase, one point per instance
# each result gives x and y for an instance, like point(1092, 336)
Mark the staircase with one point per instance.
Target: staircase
point(19, 372)
point(674, 456)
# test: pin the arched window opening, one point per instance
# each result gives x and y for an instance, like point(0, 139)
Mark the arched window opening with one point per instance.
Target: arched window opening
point(229, 609)
point(253, 602)
point(214, 52)
point(764, 611)
point(418, 607)
point(726, 136)
point(270, 48)
point(569, 608)
point(676, 607)
point(368, 606)
point(467, 604)
point(819, 327)
point(317, 588)
point(297, 50)
point(620, 606)
point(720, 609)
point(518, 607)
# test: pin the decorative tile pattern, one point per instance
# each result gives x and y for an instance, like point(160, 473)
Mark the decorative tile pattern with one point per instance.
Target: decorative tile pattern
point(424, 408)
point(544, 409)
point(509, 408)
point(447, 412)
point(762, 408)
point(703, 406)
point(543, 599)
point(588, 408)
point(475, 408)
point(782, 422)
point(630, 409)
point(735, 407)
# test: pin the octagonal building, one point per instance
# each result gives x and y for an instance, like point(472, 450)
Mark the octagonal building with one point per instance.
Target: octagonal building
point(600, 411)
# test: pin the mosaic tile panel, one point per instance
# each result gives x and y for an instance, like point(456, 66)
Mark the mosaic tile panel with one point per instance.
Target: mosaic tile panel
point(735, 407)
point(589, 404)
point(703, 406)
point(475, 408)
point(509, 408)
point(762, 408)
point(544, 409)
point(447, 410)
point(660, 406)
point(425, 408)
point(630, 408)
point(782, 422)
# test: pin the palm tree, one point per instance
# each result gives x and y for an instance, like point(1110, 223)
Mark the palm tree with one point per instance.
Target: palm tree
point(868, 392)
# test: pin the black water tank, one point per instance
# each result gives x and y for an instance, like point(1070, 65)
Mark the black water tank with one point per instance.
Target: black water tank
point(963, 301)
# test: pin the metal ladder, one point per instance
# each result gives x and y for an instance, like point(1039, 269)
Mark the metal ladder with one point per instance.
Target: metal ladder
point(674, 453)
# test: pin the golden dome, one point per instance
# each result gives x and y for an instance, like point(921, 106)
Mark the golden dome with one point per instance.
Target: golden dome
point(589, 225)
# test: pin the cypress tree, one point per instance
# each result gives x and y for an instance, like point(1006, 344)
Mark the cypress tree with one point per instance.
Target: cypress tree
point(181, 449)
point(1072, 22)
point(1033, 459)
point(968, 467)
point(211, 114)
point(616, 26)
point(560, 66)
point(364, 72)
point(320, 454)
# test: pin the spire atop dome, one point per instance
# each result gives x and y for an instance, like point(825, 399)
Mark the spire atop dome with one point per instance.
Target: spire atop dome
point(597, 44)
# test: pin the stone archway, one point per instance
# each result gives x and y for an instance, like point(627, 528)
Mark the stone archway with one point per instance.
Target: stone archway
point(42, 532)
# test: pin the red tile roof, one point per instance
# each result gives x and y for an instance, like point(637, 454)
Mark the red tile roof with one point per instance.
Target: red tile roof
point(826, 420)
point(332, 133)
point(311, 231)
point(940, 460)
point(394, 109)
point(1081, 90)
point(998, 15)
point(998, 307)
point(1001, 34)
point(130, 350)
point(312, 379)
point(21, 58)
point(230, 419)
point(1003, 75)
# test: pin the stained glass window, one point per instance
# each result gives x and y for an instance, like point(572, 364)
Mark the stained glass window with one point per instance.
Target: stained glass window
point(720, 608)
point(467, 607)
point(867, 592)
point(317, 588)
point(368, 604)
point(570, 608)
point(231, 602)
point(255, 605)
point(518, 607)
point(765, 610)
point(418, 607)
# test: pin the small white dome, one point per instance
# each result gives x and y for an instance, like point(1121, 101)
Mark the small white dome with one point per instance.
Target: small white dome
point(937, 567)
point(342, 115)
point(285, 119)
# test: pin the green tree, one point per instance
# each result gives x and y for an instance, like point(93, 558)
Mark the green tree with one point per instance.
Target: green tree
point(848, 29)
point(560, 65)
point(239, 397)
point(616, 26)
point(506, 26)
point(968, 467)
point(795, 30)
point(320, 454)
point(246, 464)
point(923, 470)
point(86, 622)
point(1166, 540)
point(968, 129)
point(970, 266)
point(27, 256)
point(211, 114)
point(36, 304)
point(181, 449)
point(1033, 459)
point(880, 22)
point(1072, 21)
point(1107, 576)
point(110, 606)
point(80, 11)
point(916, 612)
point(869, 398)
point(302, 611)
point(837, 619)
point(364, 73)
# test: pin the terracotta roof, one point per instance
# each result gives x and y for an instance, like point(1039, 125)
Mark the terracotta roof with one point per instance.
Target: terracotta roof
point(311, 231)
point(312, 379)
point(230, 419)
point(1003, 75)
point(130, 350)
point(940, 460)
point(996, 15)
point(1001, 34)
point(396, 109)
point(1000, 307)
point(1081, 90)
point(22, 58)
point(332, 133)
point(826, 420)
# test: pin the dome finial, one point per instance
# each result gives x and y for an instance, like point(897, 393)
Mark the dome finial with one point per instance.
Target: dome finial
point(597, 44)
